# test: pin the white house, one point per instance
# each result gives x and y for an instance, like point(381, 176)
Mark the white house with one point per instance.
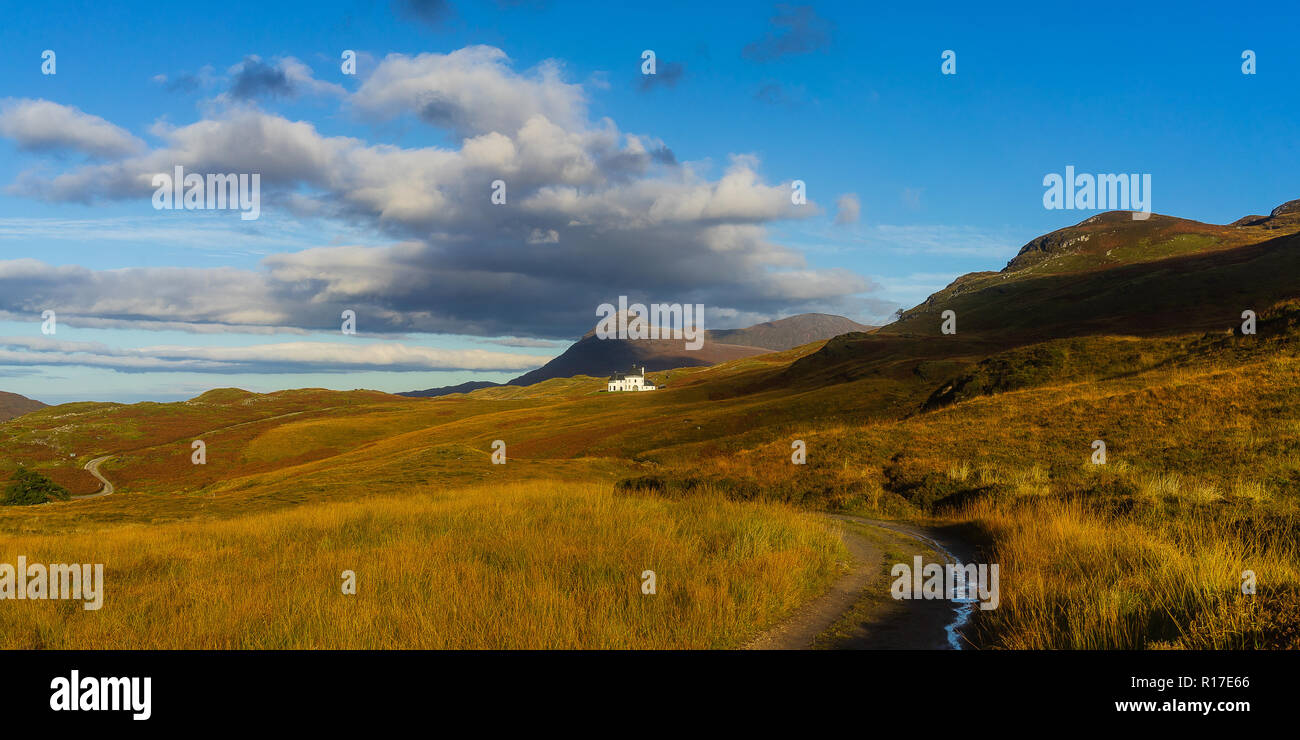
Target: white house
point(633, 380)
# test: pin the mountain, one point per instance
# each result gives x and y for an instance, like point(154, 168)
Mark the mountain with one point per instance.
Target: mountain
point(788, 333)
point(1108, 275)
point(601, 357)
point(12, 405)
point(447, 390)
point(1113, 274)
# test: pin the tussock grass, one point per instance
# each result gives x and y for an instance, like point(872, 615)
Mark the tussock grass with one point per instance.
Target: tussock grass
point(526, 565)
point(1072, 578)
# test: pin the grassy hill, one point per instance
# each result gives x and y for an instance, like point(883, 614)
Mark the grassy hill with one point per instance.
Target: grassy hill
point(1111, 274)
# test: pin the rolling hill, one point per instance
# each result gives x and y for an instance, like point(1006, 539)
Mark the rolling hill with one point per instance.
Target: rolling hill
point(12, 404)
point(447, 390)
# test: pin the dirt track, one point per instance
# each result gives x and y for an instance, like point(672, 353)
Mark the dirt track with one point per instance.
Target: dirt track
point(915, 625)
point(92, 467)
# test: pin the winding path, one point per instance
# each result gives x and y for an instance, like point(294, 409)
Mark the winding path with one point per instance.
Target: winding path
point(92, 467)
point(106, 487)
point(936, 629)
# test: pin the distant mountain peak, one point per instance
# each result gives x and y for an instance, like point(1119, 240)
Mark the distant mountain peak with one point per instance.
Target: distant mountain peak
point(1291, 206)
point(1284, 216)
point(789, 332)
point(13, 405)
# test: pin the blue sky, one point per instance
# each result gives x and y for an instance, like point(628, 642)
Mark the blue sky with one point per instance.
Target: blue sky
point(368, 209)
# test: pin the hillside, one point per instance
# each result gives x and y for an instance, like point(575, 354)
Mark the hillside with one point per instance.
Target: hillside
point(1112, 274)
point(12, 404)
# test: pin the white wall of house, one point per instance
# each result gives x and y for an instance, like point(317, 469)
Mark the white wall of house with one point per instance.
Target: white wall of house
point(630, 383)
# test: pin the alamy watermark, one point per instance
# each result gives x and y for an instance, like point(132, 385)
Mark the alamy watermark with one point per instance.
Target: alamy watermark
point(1105, 192)
point(194, 192)
point(94, 694)
point(658, 321)
point(58, 581)
point(965, 582)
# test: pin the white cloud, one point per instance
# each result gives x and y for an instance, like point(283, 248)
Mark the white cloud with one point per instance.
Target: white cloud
point(41, 125)
point(471, 91)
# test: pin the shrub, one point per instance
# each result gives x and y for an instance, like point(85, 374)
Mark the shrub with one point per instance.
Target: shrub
point(29, 487)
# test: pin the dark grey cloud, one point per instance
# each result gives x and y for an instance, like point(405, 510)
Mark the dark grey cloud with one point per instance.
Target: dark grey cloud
point(257, 79)
point(185, 82)
point(664, 155)
point(432, 13)
point(796, 30)
point(443, 113)
point(668, 75)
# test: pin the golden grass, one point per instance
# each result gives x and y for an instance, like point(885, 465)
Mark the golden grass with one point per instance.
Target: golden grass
point(528, 565)
point(1073, 579)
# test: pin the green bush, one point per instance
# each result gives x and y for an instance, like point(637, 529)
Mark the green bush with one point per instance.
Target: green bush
point(29, 487)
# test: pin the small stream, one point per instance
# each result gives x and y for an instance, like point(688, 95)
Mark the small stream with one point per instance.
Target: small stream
point(964, 604)
point(960, 596)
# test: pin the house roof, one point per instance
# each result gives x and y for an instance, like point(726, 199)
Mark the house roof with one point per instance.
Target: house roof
point(635, 372)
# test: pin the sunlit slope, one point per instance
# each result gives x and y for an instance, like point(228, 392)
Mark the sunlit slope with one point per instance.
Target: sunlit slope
point(59, 439)
point(1221, 413)
point(1163, 276)
point(993, 431)
point(527, 566)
